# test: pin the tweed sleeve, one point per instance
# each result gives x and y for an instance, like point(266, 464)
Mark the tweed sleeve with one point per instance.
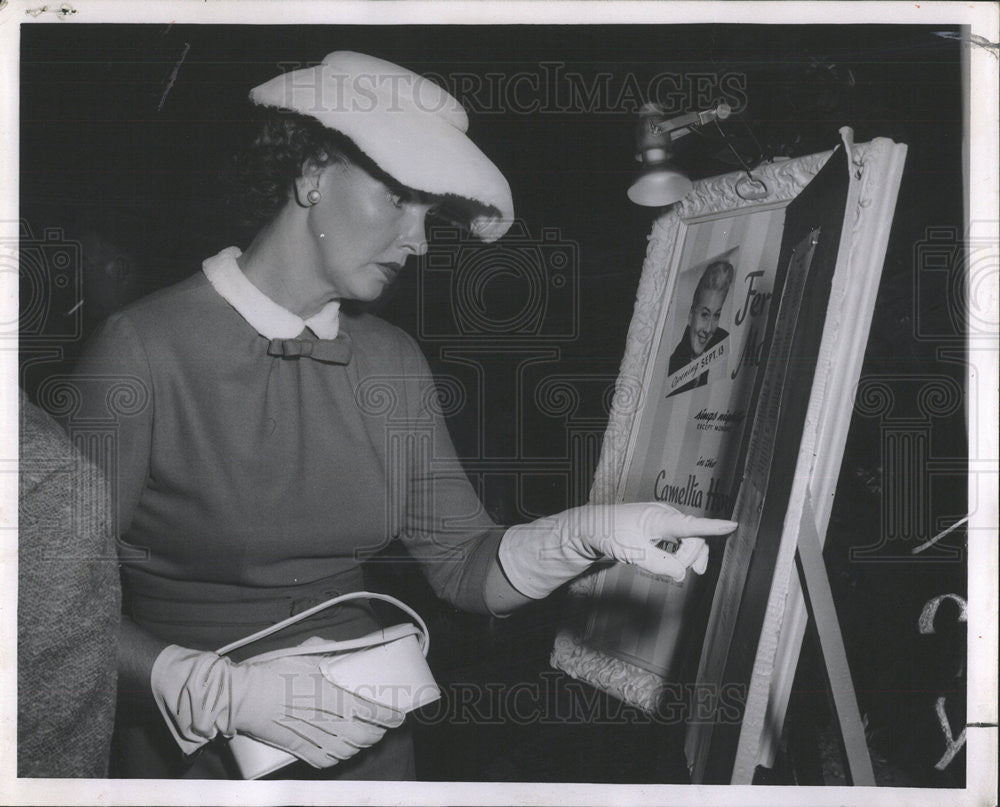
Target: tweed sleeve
point(68, 607)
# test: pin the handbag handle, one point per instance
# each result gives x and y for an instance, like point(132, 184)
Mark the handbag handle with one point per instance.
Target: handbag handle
point(331, 646)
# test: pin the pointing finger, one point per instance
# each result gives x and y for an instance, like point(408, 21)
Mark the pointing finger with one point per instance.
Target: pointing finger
point(692, 526)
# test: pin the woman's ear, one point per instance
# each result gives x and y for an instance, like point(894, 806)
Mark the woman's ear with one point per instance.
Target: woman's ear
point(308, 181)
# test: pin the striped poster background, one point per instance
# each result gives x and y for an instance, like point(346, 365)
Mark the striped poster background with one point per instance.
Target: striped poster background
point(636, 616)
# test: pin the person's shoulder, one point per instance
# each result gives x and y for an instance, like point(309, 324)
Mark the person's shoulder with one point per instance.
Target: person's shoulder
point(43, 446)
point(180, 311)
point(358, 321)
point(372, 334)
point(189, 297)
point(680, 355)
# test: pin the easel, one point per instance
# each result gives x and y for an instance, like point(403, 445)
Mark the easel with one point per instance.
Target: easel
point(823, 614)
point(768, 592)
point(759, 610)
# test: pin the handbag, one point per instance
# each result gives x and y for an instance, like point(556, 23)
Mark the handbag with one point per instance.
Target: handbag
point(388, 666)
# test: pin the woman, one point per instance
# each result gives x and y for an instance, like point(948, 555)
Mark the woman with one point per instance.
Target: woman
point(273, 440)
point(703, 331)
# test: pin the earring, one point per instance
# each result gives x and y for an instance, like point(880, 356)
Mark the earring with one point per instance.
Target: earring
point(314, 196)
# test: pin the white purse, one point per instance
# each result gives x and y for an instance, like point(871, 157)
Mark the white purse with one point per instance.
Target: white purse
point(388, 666)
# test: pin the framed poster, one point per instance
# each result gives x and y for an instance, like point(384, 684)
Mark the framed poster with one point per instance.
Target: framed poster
point(631, 634)
point(675, 426)
point(698, 395)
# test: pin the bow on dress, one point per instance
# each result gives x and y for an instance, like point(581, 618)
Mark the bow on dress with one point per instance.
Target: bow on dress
point(329, 351)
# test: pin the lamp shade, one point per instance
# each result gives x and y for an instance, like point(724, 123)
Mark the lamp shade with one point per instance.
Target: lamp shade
point(659, 185)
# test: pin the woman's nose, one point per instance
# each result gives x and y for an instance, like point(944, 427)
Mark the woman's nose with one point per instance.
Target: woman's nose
point(414, 235)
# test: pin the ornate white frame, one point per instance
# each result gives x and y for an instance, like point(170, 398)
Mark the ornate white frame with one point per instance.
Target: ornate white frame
point(724, 195)
point(876, 168)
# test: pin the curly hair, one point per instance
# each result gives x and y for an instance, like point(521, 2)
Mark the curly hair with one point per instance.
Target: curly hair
point(718, 276)
point(262, 175)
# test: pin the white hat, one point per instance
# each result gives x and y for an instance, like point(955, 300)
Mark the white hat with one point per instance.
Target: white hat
point(410, 126)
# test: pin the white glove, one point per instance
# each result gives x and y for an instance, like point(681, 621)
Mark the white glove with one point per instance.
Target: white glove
point(286, 703)
point(540, 556)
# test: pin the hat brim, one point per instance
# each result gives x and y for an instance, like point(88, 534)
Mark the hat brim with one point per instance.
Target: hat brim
point(434, 158)
point(415, 146)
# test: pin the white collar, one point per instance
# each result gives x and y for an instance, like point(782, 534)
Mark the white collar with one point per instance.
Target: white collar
point(266, 316)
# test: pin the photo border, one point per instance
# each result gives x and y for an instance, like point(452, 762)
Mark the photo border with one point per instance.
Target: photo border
point(982, 87)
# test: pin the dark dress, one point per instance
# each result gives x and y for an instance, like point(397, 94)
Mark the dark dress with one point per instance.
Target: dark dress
point(683, 355)
point(253, 480)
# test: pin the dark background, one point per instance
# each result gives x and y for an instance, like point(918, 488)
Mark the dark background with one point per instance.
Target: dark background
point(120, 165)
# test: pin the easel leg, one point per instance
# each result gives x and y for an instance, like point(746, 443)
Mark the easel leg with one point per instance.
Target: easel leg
point(819, 600)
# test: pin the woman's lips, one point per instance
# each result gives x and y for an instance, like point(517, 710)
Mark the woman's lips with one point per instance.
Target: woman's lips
point(390, 269)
